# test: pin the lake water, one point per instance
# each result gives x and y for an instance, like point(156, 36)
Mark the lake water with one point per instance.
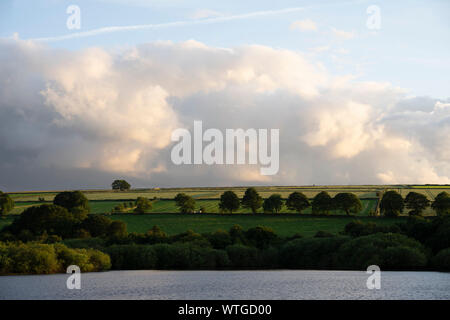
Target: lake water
point(277, 284)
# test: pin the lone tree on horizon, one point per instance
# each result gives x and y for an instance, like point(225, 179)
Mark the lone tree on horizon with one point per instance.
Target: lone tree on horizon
point(121, 185)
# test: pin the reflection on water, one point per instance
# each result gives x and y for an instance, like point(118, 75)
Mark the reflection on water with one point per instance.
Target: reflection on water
point(278, 284)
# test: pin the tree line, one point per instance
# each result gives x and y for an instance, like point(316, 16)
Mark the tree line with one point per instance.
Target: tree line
point(392, 204)
point(322, 203)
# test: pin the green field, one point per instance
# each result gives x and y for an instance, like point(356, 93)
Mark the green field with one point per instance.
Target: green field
point(102, 201)
point(168, 206)
point(283, 225)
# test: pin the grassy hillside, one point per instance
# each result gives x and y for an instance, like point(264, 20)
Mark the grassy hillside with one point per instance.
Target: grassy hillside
point(283, 225)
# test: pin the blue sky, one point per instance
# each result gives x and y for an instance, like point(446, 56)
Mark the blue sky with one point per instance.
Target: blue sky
point(411, 50)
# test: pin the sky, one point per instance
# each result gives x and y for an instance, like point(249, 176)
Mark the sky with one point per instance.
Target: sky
point(358, 89)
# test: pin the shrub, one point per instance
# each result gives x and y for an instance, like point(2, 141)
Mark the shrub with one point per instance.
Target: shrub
point(237, 235)
point(132, 257)
point(403, 257)
point(323, 234)
point(33, 258)
point(441, 261)
point(143, 205)
point(357, 228)
point(220, 239)
point(319, 253)
point(242, 256)
point(261, 237)
point(361, 252)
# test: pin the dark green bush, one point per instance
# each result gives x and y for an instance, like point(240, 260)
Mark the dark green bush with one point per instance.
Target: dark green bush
point(261, 237)
point(132, 257)
point(361, 252)
point(441, 261)
point(242, 256)
point(317, 253)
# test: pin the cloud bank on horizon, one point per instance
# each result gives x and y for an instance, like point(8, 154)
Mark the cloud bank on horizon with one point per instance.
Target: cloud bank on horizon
point(79, 119)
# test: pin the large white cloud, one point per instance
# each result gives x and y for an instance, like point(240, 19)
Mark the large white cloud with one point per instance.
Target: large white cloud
point(97, 113)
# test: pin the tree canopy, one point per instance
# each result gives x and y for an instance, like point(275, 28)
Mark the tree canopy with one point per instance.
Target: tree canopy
point(441, 204)
point(322, 203)
point(185, 203)
point(347, 202)
point(273, 204)
point(229, 201)
point(121, 185)
point(74, 201)
point(252, 200)
point(391, 204)
point(6, 203)
point(143, 205)
point(416, 202)
point(49, 218)
point(297, 201)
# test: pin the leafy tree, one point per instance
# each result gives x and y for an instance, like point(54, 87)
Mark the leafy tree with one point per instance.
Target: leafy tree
point(143, 205)
point(117, 229)
point(75, 202)
point(237, 234)
point(220, 239)
point(273, 204)
point(442, 260)
point(322, 203)
point(229, 201)
point(441, 204)
point(155, 235)
point(96, 224)
point(242, 256)
point(121, 185)
point(185, 203)
point(6, 203)
point(387, 250)
point(416, 202)
point(391, 204)
point(297, 201)
point(252, 200)
point(347, 202)
point(261, 237)
point(48, 218)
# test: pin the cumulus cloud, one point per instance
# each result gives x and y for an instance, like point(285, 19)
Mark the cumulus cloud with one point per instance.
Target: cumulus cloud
point(72, 119)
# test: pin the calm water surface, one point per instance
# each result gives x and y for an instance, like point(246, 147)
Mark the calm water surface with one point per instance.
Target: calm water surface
point(278, 284)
